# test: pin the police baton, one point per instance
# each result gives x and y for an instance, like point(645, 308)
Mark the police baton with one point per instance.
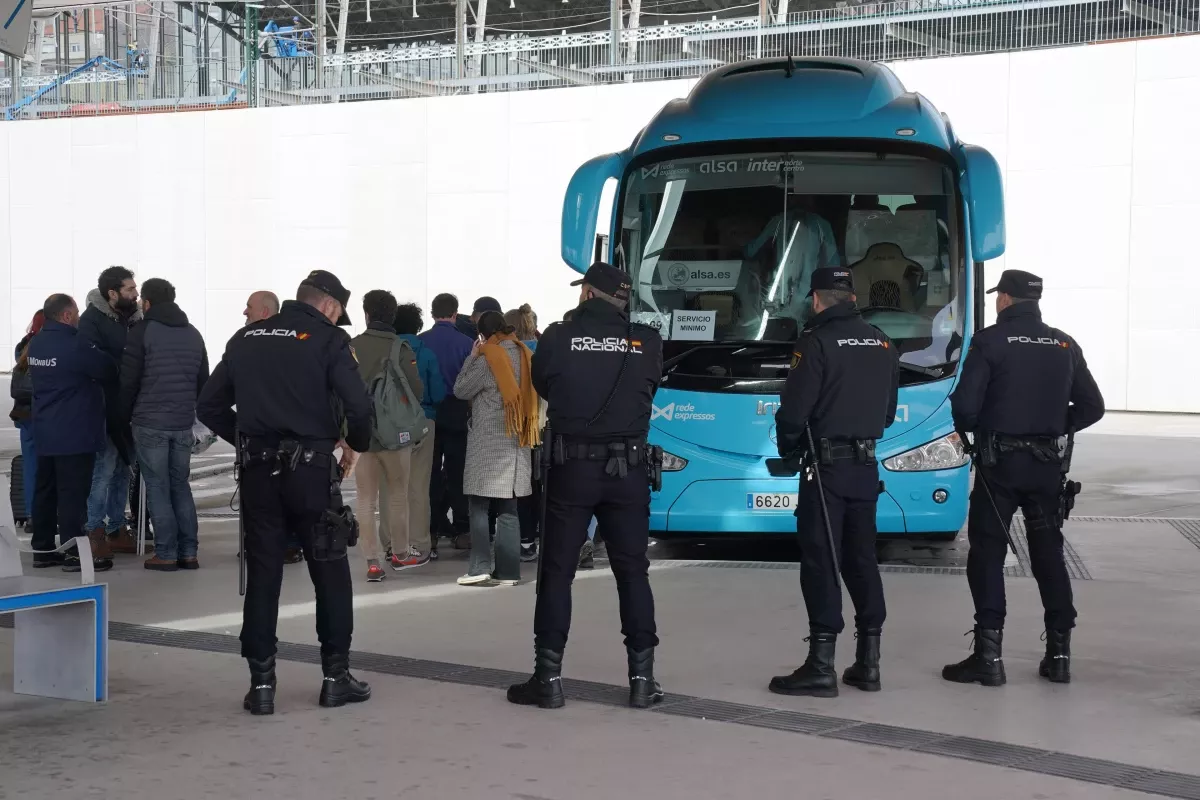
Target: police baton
point(241, 505)
point(972, 452)
point(812, 451)
point(542, 465)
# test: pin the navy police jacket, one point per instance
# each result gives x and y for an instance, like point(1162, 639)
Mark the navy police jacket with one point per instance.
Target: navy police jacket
point(69, 374)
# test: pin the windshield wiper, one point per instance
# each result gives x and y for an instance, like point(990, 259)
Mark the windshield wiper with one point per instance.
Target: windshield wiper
point(936, 371)
point(675, 359)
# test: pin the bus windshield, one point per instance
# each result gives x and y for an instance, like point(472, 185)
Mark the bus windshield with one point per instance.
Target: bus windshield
point(721, 249)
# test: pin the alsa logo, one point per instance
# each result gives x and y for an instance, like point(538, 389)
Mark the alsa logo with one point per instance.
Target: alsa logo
point(609, 344)
point(43, 362)
point(276, 332)
point(862, 343)
point(1038, 340)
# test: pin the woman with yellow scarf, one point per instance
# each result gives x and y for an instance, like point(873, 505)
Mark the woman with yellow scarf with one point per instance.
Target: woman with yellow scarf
point(503, 429)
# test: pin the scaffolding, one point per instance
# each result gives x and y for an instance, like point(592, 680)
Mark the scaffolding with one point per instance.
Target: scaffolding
point(183, 56)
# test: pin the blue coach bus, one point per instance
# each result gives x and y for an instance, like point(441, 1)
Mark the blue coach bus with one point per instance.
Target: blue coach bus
point(724, 205)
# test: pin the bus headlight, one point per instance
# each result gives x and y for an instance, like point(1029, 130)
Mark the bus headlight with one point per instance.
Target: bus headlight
point(672, 462)
point(944, 453)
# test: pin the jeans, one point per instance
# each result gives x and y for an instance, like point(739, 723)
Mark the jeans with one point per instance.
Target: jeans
point(28, 465)
point(501, 559)
point(165, 458)
point(110, 491)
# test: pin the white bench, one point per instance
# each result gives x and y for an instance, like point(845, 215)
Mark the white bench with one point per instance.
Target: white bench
point(60, 647)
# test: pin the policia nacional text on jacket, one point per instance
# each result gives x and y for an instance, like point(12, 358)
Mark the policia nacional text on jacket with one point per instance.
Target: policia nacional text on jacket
point(295, 382)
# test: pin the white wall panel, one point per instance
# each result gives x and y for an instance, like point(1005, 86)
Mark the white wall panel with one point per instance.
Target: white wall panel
point(1071, 107)
point(463, 194)
point(468, 143)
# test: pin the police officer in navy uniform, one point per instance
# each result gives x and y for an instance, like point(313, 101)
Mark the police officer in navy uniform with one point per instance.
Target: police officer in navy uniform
point(295, 382)
point(598, 374)
point(841, 388)
point(1024, 385)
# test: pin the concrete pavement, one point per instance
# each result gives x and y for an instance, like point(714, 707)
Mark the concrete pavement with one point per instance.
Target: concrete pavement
point(730, 616)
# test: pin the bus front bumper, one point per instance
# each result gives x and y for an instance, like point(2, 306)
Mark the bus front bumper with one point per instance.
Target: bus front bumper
point(912, 503)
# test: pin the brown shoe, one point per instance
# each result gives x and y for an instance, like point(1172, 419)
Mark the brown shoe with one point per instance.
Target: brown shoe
point(293, 555)
point(123, 541)
point(99, 542)
point(161, 564)
point(188, 563)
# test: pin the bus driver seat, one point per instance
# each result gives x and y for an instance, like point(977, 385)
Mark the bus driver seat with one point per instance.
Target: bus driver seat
point(884, 277)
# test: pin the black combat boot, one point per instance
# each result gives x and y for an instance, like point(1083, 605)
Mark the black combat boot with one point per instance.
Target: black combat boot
point(339, 686)
point(260, 700)
point(544, 688)
point(644, 691)
point(817, 677)
point(1056, 666)
point(864, 674)
point(985, 665)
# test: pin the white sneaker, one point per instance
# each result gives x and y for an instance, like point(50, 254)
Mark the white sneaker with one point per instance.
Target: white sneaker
point(474, 580)
point(498, 582)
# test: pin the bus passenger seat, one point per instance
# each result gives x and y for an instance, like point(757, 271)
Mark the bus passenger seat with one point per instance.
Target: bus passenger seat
point(885, 277)
point(721, 303)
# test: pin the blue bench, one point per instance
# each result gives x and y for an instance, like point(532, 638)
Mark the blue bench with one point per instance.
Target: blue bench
point(60, 646)
point(60, 643)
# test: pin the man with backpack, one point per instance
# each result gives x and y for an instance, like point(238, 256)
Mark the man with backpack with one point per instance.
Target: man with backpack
point(388, 366)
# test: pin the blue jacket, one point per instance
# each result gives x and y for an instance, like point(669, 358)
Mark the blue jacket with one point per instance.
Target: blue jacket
point(431, 374)
point(69, 374)
point(451, 348)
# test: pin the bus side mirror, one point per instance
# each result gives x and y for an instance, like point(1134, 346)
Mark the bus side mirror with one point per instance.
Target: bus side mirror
point(581, 208)
point(984, 191)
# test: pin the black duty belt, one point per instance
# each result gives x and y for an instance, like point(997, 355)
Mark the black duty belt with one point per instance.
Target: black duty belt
point(629, 449)
point(286, 454)
point(1043, 448)
point(860, 450)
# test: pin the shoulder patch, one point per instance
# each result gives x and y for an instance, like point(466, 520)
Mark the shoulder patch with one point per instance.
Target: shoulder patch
point(353, 354)
point(796, 359)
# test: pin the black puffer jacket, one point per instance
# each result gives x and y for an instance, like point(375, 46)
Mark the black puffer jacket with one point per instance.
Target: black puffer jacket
point(163, 369)
point(101, 325)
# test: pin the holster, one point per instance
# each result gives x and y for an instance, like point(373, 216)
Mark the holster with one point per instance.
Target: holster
point(337, 528)
point(985, 449)
point(654, 467)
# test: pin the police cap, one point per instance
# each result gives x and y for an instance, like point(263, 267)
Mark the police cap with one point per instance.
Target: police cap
point(836, 279)
point(608, 279)
point(1019, 284)
point(328, 283)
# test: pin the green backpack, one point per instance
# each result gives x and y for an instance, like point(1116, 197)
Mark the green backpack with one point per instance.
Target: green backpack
point(396, 414)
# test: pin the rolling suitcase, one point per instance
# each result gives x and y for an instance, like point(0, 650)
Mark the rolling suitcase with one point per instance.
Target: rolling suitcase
point(16, 490)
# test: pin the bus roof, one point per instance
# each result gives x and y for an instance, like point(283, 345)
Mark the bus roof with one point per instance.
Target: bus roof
point(790, 98)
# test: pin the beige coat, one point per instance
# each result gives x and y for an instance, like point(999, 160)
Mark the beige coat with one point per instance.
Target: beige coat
point(496, 465)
